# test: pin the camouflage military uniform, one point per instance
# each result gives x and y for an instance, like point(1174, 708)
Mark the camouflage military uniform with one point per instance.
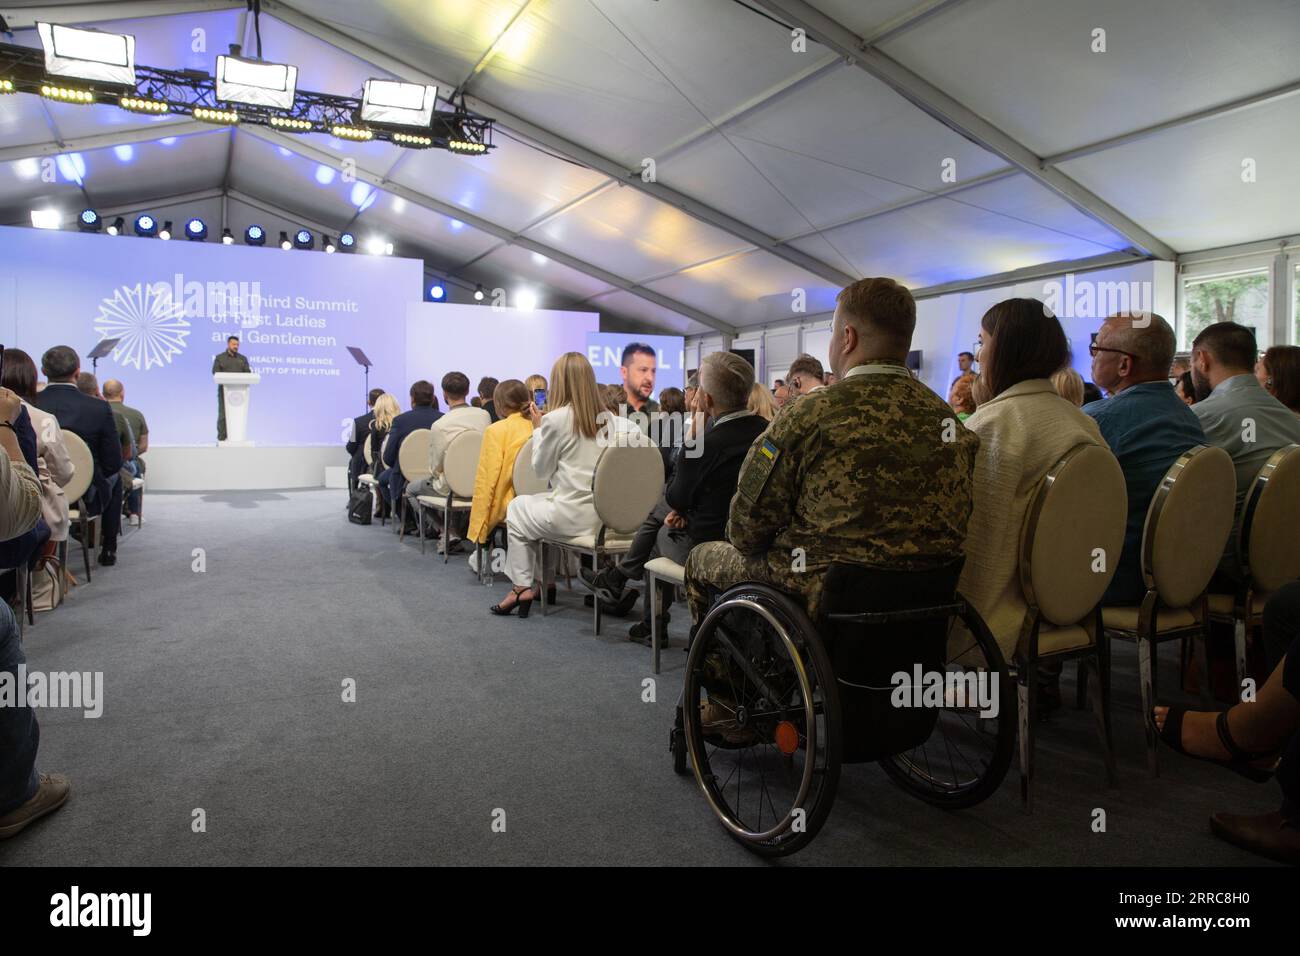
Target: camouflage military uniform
point(875, 470)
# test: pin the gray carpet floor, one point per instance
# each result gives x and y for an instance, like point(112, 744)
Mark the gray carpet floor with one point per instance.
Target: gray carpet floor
point(223, 692)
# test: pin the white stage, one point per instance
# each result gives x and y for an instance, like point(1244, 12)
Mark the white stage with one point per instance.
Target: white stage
point(209, 468)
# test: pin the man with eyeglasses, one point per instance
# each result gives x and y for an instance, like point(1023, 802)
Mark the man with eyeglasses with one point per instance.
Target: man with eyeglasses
point(1144, 422)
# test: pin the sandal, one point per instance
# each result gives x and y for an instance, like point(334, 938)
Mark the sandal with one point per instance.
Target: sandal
point(1242, 760)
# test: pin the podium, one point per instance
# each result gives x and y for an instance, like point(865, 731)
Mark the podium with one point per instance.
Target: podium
point(234, 393)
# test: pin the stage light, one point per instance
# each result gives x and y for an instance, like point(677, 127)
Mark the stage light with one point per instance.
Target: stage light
point(303, 239)
point(437, 292)
point(284, 241)
point(196, 229)
point(525, 299)
point(327, 244)
point(478, 292)
point(222, 117)
point(67, 94)
point(146, 226)
point(352, 132)
point(166, 231)
point(6, 86)
point(410, 139)
point(347, 241)
point(465, 146)
point(388, 248)
point(116, 226)
point(256, 83)
point(88, 54)
point(89, 221)
point(227, 237)
point(398, 104)
point(47, 218)
point(291, 124)
point(375, 246)
point(255, 236)
point(137, 105)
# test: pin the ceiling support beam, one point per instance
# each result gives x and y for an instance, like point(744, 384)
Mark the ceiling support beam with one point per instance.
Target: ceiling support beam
point(25, 16)
point(303, 148)
point(544, 137)
point(938, 104)
point(124, 137)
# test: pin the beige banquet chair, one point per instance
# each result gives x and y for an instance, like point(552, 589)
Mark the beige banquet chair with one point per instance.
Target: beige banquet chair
point(459, 466)
point(1069, 544)
point(83, 472)
point(368, 480)
point(1268, 548)
point(1187, 525)
point(413, 462)
point(627, 482)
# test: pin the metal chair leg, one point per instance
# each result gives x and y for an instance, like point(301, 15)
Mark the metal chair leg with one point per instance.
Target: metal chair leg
point(85, 547)
point(27, 596)
point(1102, 714)
point(541, 555)
point(654, 616)
point(595, 601)
point(1239, 639)
point(1026, 692)
point(446, 533)
point(1147, 688)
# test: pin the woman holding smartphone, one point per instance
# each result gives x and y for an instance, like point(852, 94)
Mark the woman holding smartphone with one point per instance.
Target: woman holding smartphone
point(565, 452)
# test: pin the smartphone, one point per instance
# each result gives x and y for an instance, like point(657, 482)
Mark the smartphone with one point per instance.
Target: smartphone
point(539, 397)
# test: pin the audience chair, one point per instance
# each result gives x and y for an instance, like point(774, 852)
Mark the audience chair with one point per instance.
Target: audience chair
point(83, 465)
point(459, 466)
point(660, 569)
point(413, 463)
point(1268, 549)
point(627, 482)
point(368, 480)
point(137, 484)
point(1187, 526)
point(1080, 507)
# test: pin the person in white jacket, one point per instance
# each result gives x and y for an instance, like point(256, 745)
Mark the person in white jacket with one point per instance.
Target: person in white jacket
point(568, 439)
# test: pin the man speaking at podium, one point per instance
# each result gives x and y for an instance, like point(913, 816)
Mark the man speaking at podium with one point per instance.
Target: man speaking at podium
point(228, 361)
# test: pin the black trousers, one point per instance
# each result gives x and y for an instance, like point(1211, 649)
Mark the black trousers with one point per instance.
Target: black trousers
point(110, 512)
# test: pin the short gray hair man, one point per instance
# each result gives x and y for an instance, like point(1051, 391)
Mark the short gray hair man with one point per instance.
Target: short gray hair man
point(1132, 348)
point(727, 379)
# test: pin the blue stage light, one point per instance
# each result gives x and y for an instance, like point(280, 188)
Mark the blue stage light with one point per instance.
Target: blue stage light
point(196, 229)
point(347, 242)
point(303, 239)
point(89, 221)
point(146, 225)
point(255, 236)
point(437, 292)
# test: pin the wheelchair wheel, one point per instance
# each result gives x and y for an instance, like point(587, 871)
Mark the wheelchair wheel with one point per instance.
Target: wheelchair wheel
point(967, 754)
point(762, 720)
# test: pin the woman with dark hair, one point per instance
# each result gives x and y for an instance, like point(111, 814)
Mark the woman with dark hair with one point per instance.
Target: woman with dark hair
point(1278, 370)
point(1025, 427)
point(54, 467)
point(1186, 388)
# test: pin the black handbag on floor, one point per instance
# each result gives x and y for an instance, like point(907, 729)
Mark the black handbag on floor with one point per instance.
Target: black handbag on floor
point(359, 506)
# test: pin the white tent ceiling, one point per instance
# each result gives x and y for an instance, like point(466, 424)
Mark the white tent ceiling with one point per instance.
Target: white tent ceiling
point(774, 169)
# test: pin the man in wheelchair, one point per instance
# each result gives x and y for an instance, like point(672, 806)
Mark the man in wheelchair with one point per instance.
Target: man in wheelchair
point(875, 470)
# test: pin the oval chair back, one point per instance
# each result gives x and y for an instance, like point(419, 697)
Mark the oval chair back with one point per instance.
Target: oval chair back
point(523, 477)
point(1269, 545)
point(460, 463)
point(413, 456)
point(1081, 506)
point(626, 484)
point(367, 454)
point(1188, 524)
point(83, 467)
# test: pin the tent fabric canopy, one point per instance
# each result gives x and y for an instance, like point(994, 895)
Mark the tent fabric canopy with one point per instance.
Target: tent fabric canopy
point(684, 166)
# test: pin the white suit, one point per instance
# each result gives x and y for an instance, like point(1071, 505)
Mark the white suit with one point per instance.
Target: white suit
point(567, 459)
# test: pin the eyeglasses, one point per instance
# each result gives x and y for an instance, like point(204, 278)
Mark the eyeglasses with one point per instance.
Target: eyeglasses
point(1094, 348)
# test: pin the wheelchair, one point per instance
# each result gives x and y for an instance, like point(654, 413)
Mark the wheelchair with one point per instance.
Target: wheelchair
point(772, 705)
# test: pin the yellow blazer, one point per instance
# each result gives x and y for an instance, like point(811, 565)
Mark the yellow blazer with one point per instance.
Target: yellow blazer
point(494, 483)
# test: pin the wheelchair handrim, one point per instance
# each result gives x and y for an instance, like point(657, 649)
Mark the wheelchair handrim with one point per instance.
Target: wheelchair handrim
point(722, 812)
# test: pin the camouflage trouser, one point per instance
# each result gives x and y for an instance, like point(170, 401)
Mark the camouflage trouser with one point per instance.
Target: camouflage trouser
point(716, 565)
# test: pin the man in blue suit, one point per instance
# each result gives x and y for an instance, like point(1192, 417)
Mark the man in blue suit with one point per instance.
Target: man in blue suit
point(91, 419)
point(422, 414)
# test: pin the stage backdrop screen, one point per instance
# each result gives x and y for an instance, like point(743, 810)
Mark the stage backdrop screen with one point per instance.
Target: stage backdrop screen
point(172, 305)
point(605, 352)
point(487, 341)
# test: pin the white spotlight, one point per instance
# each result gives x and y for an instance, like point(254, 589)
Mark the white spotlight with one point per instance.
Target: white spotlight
point(256, 83)
point(375, 246)
point(88, 54)
point(47, 218)
point(525, 299)
point(398, 104)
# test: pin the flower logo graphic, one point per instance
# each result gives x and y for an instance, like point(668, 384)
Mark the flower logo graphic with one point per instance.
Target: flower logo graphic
point(151, 326)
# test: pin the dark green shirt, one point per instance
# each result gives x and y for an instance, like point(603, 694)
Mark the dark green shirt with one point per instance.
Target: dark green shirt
point(225, 362)
point(133, 419)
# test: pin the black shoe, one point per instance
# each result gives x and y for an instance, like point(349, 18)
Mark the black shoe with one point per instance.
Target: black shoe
point(550, 596)
point(606, 584)
point(108, 558)
point(639, 633)
point(623, 605)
